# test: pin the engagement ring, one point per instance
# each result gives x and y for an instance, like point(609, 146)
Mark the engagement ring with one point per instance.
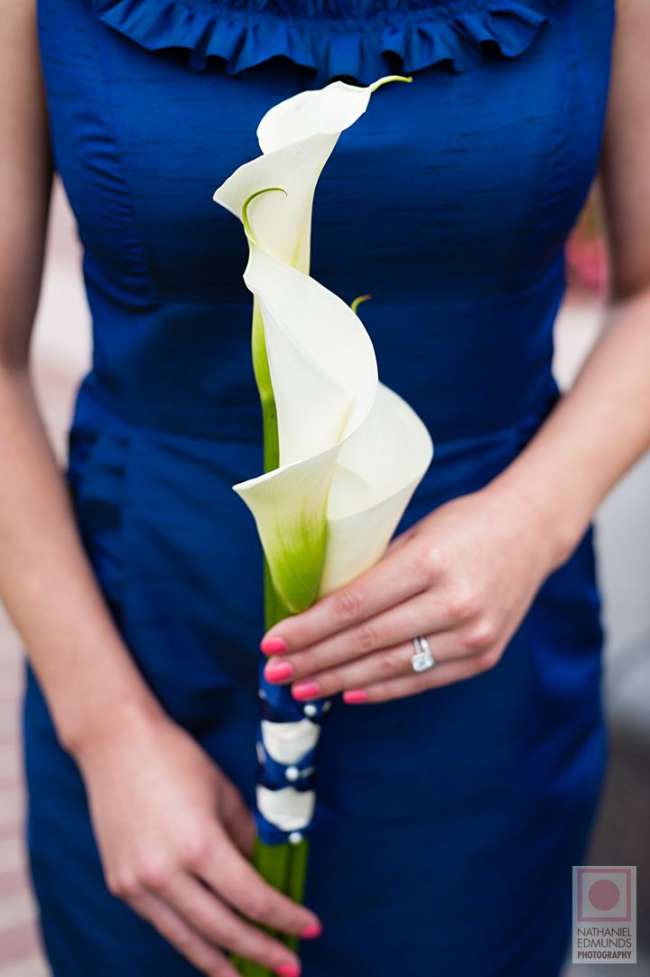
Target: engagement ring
point(422, 659)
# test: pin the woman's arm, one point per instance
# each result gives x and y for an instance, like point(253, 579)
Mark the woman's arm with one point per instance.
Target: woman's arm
point(172, 831)
point(45, 580)
point(466, 575)
point(603, 425)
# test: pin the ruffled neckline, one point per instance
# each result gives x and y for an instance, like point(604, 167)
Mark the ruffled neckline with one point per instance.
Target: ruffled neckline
point(356, 39)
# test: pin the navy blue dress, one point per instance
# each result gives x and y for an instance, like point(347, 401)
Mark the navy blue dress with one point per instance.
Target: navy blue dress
point(447, 823)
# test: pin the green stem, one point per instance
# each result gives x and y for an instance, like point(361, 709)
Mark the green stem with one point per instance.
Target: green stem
point(265, 390)
point(297, 881)
point(285, 868)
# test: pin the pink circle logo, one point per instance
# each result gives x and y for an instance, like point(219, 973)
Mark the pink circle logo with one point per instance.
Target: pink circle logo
point(604, 895)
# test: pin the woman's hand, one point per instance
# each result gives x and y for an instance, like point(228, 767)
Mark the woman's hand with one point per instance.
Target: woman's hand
point(174, 836)
point(463, 578)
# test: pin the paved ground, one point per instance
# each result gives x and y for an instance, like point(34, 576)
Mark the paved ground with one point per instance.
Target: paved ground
point(624, 540)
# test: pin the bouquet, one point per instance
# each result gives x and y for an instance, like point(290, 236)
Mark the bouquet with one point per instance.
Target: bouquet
point(343, 453)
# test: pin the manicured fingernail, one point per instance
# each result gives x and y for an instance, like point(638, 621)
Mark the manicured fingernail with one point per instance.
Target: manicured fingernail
point(305, 690)
point(273, 646)
point(354, 696)
point(278, 671)
point(289, 970)
point(312, 931)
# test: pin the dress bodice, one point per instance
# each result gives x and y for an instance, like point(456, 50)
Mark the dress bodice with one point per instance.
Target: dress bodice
point(450, 201)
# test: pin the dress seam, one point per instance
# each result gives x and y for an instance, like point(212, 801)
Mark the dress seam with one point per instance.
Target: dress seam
point(154, 295)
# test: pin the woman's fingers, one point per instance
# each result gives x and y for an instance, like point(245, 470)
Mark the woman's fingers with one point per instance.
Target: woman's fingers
point(404, 572)
point(191, 902)
point(198, 918)
point(194, 947)
point(401, 686)
point(385, 664)
point(427, 613)
point(228, 873)
point(221, 927)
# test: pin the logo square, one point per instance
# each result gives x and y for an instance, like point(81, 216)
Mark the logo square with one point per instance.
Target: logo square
point(604, 894)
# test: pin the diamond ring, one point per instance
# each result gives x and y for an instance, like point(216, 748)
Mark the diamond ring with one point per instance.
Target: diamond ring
point(421, 659)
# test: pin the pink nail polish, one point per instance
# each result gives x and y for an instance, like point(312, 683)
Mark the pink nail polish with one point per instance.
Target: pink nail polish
point(288, 970)
point(305, 690)
point(274, 646)
point(311, 932)
point(278, 671)
point(354, 696)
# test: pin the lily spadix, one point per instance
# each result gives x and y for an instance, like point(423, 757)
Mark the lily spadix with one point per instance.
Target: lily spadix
point(296, 138)
point(351, 452)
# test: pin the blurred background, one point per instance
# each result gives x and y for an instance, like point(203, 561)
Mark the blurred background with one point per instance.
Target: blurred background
point(622, 835)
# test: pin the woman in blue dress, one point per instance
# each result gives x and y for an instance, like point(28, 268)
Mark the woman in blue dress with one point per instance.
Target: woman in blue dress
point(452, 802)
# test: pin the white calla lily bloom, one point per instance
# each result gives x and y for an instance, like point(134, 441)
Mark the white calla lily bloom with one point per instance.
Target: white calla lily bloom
point(296, 137)
point(351, 451)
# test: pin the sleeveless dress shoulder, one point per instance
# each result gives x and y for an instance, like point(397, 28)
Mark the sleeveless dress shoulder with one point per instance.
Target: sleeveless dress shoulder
point(448, 823)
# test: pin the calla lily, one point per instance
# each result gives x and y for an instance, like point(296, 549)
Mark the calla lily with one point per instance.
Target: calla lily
point(343, 454)
point(351, 450)
point(296, 137)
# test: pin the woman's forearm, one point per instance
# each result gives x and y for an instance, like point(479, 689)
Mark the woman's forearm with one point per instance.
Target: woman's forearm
point(597, 431)
point(48, 587)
